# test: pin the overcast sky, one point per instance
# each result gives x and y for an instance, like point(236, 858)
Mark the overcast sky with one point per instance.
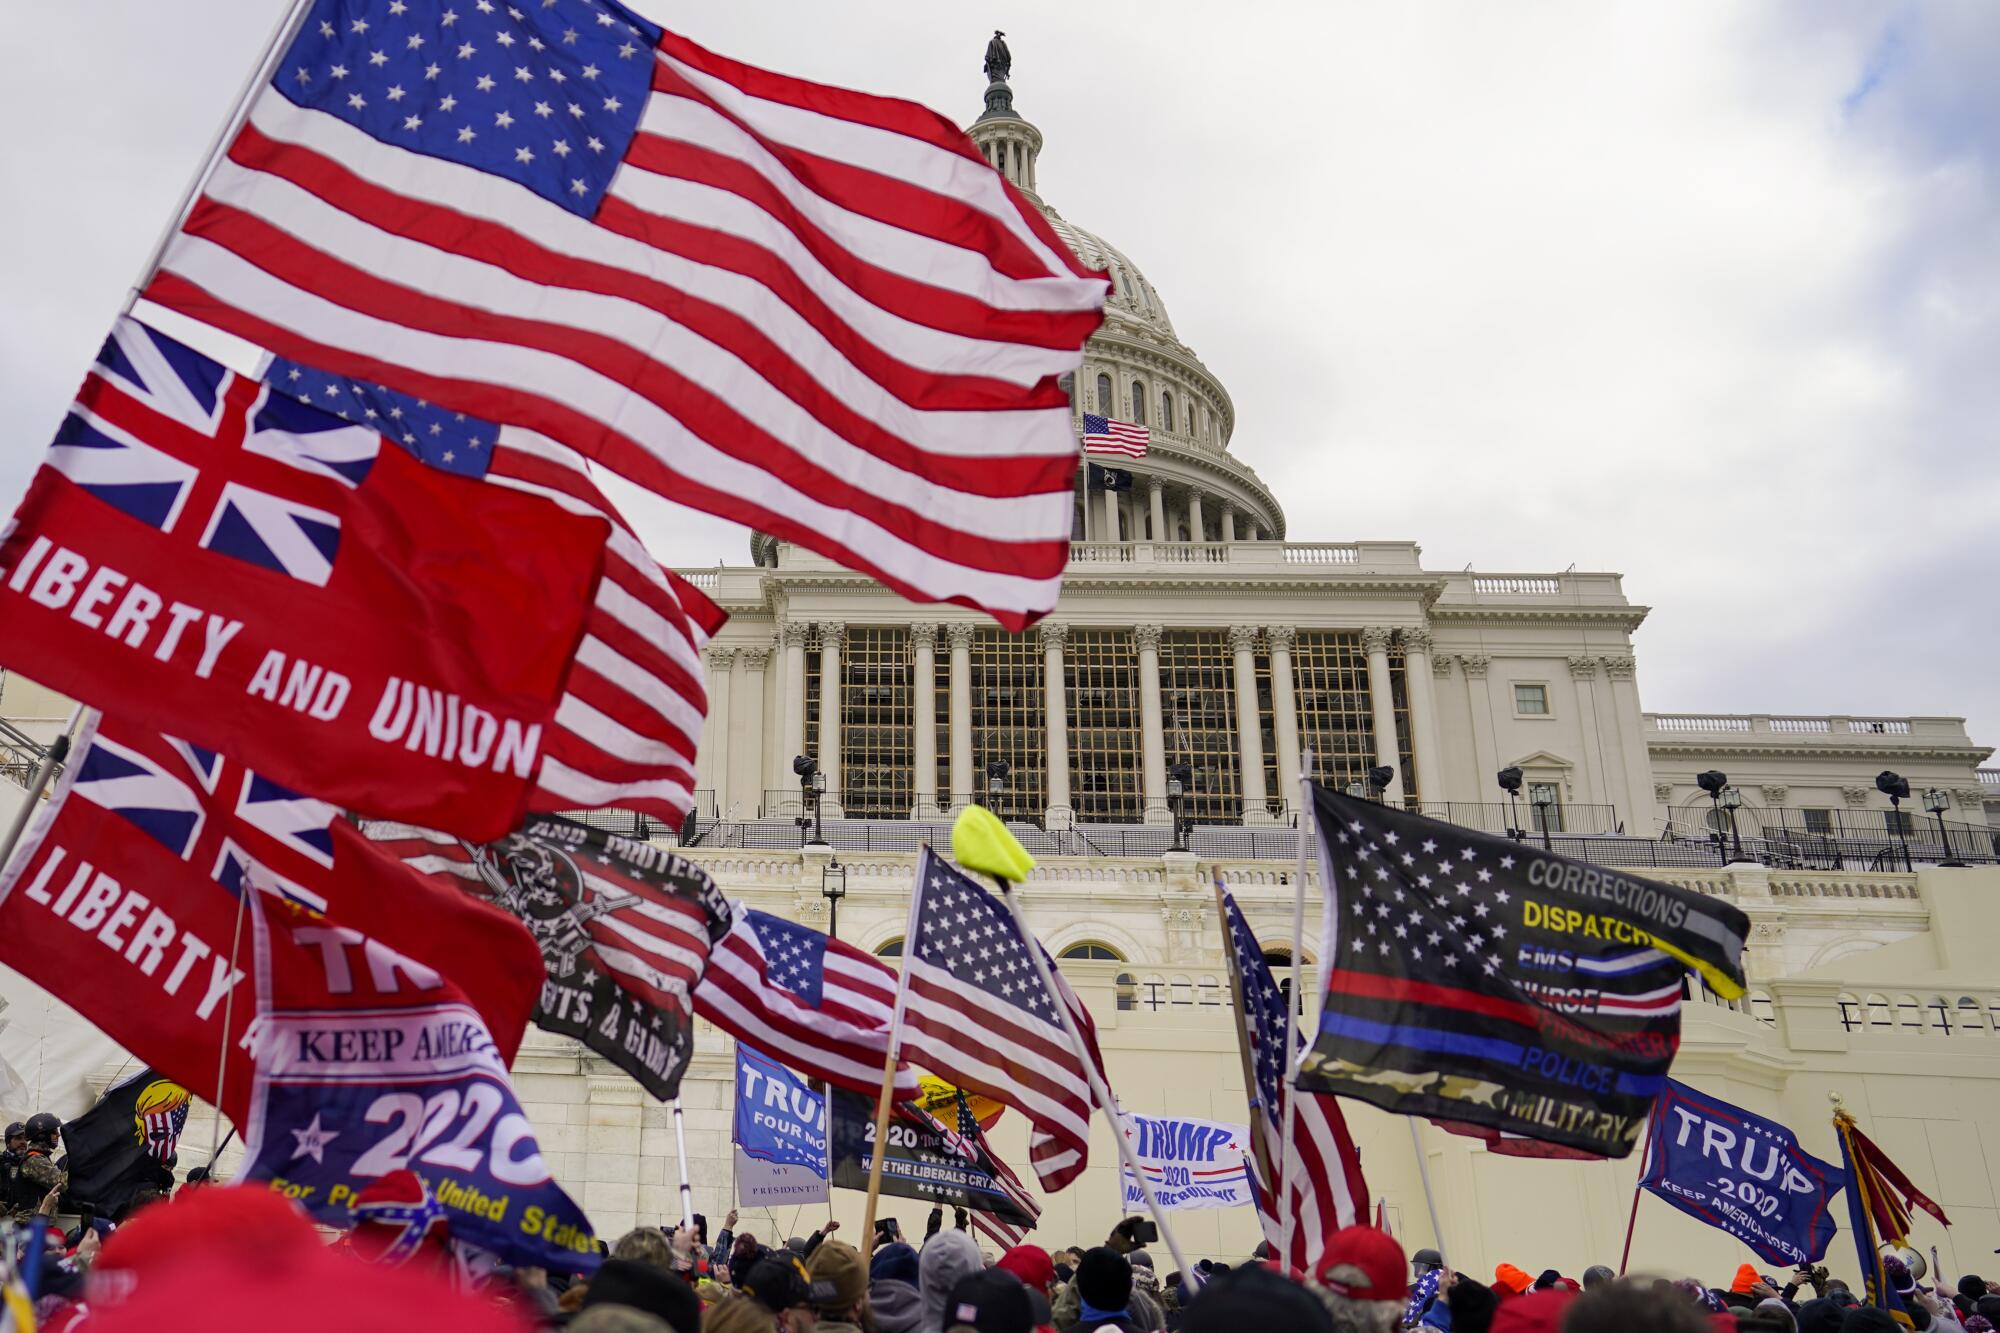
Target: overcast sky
point(1705, 293)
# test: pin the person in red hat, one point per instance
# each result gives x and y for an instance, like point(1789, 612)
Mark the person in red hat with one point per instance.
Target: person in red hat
point(1363, 1279)
point(1037, 1272)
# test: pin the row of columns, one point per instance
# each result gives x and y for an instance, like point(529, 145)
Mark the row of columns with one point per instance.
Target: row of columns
point(737, 771)
point(1110, 525)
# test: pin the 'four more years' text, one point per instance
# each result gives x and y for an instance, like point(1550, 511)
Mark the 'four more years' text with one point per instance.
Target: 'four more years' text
point(419, 718)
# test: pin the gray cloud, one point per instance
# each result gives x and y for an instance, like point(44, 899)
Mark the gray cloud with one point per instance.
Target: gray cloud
point(1705, 293)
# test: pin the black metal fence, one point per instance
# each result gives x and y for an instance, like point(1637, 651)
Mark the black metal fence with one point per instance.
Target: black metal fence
point(20, 755)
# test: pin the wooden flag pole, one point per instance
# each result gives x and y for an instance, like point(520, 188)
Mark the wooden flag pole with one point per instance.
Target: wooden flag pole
point(1098, 1092)
point(1638, 1188)
point(887, 1094)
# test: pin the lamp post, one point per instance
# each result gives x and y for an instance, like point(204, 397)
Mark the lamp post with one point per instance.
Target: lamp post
point(1543, 797)
point(833, 887)
point(1897, 788)
point(1731, 800)
point(1937, 803)
point(996, 782)
point(1510, 782)
point(1712, 782)
point(812, 786)
point(1180, 778)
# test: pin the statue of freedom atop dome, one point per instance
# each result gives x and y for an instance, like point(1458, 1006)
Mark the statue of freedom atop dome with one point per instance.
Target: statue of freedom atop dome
point(999, 60)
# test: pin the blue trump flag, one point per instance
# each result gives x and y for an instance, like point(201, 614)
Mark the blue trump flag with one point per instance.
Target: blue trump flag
point(778, 1118)
point(1741, 1173)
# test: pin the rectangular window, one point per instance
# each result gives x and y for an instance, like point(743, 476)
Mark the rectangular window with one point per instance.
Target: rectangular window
point(1198, 709)
point(877, 724)
point(1330, 679)
point(1819, 821)
point(785, 800)
point(1531, 701)
point(1009, 721)
point(1101, 680)
point(941, 700)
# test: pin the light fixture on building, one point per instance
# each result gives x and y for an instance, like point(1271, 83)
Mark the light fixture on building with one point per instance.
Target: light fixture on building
point(833, 887)
point(1358, 790)
point(996, 781)
point(1510, 782)
point(1713, 782)
point(1937, 803)
point(812, 786)
point(1544, 797)
point(1379, 778)
point(1731, 800)
point(1897, 788)
point(1180, 781)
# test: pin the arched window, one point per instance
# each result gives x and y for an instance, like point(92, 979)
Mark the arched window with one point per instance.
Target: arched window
point(1092, 953)
point(893, 949)
point(1167, 409)
point(1139, 402)
point(1104, 399)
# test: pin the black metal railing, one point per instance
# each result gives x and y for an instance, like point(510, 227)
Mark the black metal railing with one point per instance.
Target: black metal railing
point(20, 755)
point(1500, 817)
point(1806, 839)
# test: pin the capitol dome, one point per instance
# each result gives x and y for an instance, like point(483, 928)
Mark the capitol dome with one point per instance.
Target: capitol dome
point(1136, 368)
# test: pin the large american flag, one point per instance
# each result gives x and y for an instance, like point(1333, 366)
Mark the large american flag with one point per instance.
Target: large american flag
point(1103, 435)
point(1324, 1190)
point(979, 1015)
point(812, 1003)
point(631, 714)
point(813, 311)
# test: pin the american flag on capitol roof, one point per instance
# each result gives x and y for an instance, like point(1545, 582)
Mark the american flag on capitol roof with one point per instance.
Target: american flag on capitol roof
point(813, 311)
point(1103, 435)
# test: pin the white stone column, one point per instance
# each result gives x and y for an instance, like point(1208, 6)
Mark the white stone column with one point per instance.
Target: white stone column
point(1152, 733)
point(1383, 704)
point(1593, 788)
point(1484, 741)
point(1156, 505)
point(1194, 514)
point(715, 730)
point(923, 638)
point(831, 636)
point(1285, 712)
point(794, 636)
point(1249, 735)
point(1423, 713)
point(746, 753)
point(961, 712)
point(1110, 530)
point(1055, 708)
point(1640, 816)
point(1228, 522)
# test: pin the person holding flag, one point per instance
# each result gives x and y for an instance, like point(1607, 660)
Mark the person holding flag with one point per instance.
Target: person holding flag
point(1879, 1203)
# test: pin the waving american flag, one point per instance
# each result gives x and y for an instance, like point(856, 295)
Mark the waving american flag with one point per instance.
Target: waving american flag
point(814, 311)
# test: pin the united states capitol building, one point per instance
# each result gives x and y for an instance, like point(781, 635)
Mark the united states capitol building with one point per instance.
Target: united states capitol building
point(1150, 736)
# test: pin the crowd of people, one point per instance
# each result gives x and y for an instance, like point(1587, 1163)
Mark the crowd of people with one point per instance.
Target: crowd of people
point(397, 1269)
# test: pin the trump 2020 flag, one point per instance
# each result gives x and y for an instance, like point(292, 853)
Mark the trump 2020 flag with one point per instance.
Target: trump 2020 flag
point(1479, 980)
point(208, 556)
point(368, 1062)
point(122, 900)
point(1741, 1173)
point(813, 311)
point(126, 1143)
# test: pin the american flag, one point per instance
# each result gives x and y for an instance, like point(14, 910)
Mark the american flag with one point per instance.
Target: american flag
point(1325, 1189)
point(969, 1142)
point(626, 729)
point(1103, 435)
point(812, 1003)
point(817, 312)
point(978, 1014)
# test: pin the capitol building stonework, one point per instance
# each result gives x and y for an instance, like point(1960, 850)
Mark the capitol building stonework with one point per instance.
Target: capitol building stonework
point(1150, 736)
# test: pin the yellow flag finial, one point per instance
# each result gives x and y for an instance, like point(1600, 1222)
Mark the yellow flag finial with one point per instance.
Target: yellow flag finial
point(979, 841)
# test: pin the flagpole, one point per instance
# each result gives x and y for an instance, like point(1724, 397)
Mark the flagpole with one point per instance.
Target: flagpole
point(1430, 1199)
point(1098, 1091)
point(1259, 1143)
point(57, 752)
point(1638, 1188)
point(1287, 1214)
point(244, 889)
point(889, 1063)
point(282, 33)
point(681, 1151)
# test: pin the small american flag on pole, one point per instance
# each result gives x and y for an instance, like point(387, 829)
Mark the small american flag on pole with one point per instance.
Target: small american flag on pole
point(812, 1003)
point(1324, 1190)
point(1102, 435)
point(817, 312)
point(978, 1014)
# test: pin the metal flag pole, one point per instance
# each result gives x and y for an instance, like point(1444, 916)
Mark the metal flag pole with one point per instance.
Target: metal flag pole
point(244, 889)
point(889, 1062)
point(1098, 1092)
point(681, 1150)
point(1282, 1186)
point(281, 35)
point(52, 757)
point(1430, 1198)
